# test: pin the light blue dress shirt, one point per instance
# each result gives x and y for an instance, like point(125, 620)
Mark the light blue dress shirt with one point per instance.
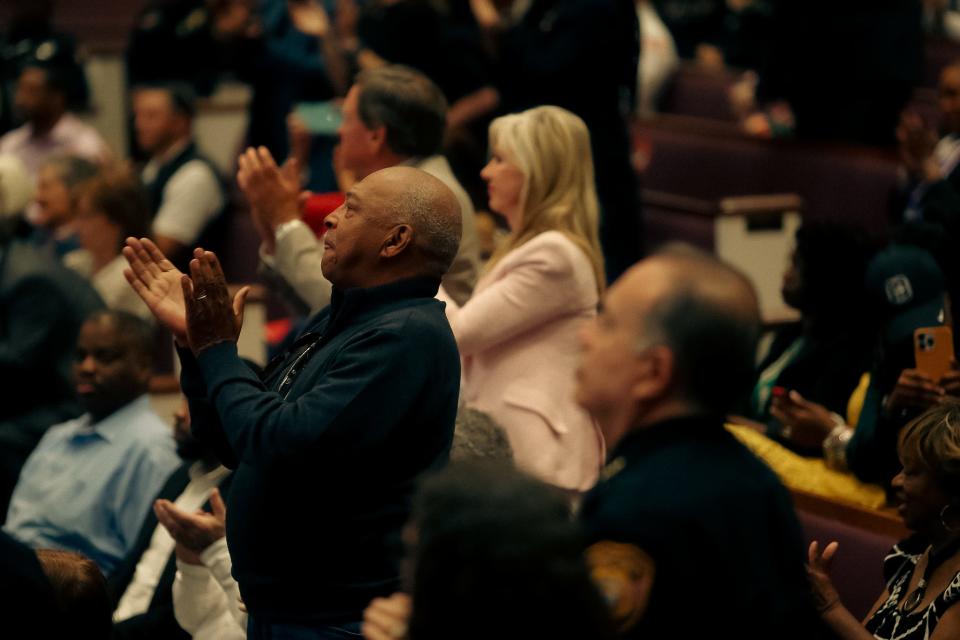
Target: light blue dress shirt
point(87, 488)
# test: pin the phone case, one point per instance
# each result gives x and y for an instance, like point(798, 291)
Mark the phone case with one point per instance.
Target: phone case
point(933, 349)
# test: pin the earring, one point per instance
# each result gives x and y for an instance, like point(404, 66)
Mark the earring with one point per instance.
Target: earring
point(943, 520)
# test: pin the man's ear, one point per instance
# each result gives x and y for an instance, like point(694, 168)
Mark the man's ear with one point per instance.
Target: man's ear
point(397, 240)
point(654, 374)
point(377, 138)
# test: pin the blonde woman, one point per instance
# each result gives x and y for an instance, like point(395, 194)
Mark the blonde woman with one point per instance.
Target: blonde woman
point(518, 333)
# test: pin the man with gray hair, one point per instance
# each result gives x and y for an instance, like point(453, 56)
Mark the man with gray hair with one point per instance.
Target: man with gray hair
point(392, 116)
point(689, 532)
point(362, 403)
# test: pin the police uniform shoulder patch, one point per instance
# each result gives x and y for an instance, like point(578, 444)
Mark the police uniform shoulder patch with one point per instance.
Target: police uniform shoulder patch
point(624, 574)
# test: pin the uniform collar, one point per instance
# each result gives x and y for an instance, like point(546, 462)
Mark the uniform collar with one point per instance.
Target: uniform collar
point(644, 439)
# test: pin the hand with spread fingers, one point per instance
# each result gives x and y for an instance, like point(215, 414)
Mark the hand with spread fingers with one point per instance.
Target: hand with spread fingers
point(193, 532)
point(387, 618)
point(273, 192)
point(825, 595)
point(157, 282)
point(212, 317)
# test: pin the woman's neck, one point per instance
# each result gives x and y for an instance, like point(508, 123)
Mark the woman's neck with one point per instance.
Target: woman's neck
point(940, 539)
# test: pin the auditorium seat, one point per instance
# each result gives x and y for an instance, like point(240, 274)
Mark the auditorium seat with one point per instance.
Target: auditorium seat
point(710, 160)
point(699, 92)
point(754, 233)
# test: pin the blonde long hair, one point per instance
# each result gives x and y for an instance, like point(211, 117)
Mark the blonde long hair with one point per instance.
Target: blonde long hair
point(551, 147)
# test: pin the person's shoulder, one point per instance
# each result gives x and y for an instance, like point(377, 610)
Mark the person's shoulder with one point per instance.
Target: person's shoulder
point(421, 319)
point(58, 432)
point(198, 168)
point(439, 167)
point(550, 249)
point(14, 138)
point(144, 427)
point(30, 271)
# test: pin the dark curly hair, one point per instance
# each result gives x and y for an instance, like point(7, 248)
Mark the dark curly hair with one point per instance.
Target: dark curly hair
point(499, 556)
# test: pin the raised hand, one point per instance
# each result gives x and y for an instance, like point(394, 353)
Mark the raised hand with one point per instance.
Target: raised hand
point(387, 618)
point(309, 17)
point(157, 281)
point(485, 13)
point(272, 191)
point(917, 143)
point(914, 390)
point(951, 381)
point(818, 573)
point(211, 316)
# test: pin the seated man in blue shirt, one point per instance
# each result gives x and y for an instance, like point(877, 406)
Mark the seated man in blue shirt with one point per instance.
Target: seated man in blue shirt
point(89, 483)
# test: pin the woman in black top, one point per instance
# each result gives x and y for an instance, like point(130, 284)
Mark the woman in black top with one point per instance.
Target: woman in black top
point(922, 572)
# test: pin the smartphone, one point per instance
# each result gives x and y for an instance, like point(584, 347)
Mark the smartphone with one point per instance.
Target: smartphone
point(933, 350)
point(321, 118)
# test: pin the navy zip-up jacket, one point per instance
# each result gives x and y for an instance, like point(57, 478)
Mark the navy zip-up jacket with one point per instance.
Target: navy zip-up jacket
point(327, 447)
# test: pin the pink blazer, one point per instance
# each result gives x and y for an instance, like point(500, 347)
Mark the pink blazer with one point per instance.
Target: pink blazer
point(518, 341)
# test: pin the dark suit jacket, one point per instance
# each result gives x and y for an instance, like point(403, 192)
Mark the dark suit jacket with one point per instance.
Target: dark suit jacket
point(158, 621)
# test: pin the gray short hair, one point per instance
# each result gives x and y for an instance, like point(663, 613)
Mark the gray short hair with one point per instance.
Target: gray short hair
point(436, 234)
point(477, 436)
point(713, 338)
point(73, 170)
point(408, 104)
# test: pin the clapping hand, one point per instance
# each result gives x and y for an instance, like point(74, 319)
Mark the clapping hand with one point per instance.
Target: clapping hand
point(273, 192)
point(193, 532)
point(387, 618)
point(211, 316)
point(157, 282)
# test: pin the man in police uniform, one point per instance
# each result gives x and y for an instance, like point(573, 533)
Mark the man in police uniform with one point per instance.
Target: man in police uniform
point(690, 534)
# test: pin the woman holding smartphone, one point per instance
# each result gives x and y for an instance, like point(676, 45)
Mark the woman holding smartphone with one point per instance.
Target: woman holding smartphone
point(518, 333)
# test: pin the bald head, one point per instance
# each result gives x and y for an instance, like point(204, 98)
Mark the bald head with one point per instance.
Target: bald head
point(707, 314)
point(418, 199)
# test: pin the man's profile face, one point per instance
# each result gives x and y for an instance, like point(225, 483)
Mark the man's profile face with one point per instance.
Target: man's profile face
point(357, 149)
point(108, 370)
point(355, 232)
point(608, 342)
point(188, 447)
point(53, 198)
point(33, 98)
point(156, 122)
point(612, 360)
